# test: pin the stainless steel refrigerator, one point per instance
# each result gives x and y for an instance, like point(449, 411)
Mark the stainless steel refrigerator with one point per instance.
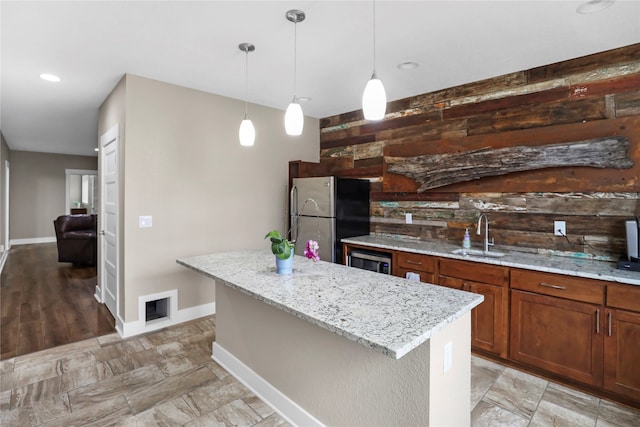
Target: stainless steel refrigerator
point(327, 209)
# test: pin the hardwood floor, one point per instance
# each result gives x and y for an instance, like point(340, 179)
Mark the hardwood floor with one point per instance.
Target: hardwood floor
point(45, 303)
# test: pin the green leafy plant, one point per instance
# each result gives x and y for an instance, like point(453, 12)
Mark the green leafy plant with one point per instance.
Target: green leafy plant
point(280, 246)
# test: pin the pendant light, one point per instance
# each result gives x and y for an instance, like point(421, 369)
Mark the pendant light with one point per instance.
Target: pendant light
point(293, 118)
point(374, 98)
point(247, 132)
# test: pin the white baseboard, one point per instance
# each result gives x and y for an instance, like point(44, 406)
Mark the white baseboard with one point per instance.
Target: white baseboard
point(33, 240)
point(129, 329)
point(289, 410)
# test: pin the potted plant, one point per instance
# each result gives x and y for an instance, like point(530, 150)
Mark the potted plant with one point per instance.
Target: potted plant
point(283, 250)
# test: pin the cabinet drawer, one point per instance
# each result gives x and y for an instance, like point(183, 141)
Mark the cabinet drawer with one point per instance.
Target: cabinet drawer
point(478, 272)
point(624, 296)
point(416, 262)
point(573, 288)
point(452, 282)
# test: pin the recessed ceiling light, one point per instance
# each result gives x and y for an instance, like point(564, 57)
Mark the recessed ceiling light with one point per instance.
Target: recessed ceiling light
point(50, 77)
point(594, 6)
point(96, 149)
point(409, 65)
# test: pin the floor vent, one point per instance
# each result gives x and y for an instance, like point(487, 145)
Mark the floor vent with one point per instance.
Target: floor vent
point(157, 309)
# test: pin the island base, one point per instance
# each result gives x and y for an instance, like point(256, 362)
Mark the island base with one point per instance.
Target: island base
point(312, 376)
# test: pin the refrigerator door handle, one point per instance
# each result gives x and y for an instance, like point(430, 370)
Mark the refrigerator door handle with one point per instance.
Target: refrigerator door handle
point(293, 203)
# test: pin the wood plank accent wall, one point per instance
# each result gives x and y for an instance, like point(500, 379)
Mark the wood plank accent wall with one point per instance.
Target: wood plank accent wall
point(590, 97)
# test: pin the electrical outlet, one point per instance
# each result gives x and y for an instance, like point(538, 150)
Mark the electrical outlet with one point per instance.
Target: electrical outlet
point(408, 219)
point(145, 221)
point(448, 357)
point(559, 228)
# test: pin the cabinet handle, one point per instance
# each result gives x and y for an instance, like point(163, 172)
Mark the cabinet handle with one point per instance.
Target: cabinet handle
point(408, 261)
point(547, 285)
point(598, 321)
point(609, 323)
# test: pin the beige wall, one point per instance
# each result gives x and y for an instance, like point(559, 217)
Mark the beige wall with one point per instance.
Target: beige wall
point(343, 383)
point(4, 156)
point(183, 165)
point(37, 191)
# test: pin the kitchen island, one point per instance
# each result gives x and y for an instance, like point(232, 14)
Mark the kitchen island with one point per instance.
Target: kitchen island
point(333, 345)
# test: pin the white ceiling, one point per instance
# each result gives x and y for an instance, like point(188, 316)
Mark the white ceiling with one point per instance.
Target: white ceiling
point(91, 44)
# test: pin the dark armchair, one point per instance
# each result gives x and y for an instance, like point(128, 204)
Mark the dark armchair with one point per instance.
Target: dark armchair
point(76, 236)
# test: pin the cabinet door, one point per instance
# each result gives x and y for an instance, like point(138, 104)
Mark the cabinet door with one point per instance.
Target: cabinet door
point(489, 320)
point(559, 335)
point(489, 327)
point(622, 352)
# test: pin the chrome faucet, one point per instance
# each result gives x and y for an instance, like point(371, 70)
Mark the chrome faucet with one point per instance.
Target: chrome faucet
point(486, 231)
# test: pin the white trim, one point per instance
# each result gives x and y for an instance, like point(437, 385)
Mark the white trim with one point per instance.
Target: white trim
point(129, 329)
point(34, 240)
point(288, 409)
point(5, 226)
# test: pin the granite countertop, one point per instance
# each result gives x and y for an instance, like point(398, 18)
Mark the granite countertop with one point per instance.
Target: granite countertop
point(579, 267)
point(388, 314)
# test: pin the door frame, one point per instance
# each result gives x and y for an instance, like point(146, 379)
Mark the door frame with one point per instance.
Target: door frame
point(5, 226)
point(112, 136)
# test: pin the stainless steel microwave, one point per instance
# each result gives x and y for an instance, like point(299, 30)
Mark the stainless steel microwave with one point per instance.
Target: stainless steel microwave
point(379, 262)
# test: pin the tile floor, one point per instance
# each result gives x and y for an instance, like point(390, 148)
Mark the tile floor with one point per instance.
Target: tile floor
point(168, 378)
point(502, 396)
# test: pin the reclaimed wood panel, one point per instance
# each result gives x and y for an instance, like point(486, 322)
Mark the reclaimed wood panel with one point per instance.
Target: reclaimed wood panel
point(552, 180)
point(589, 63)
point(627, 104)
point(439, 170)
point(584, 98)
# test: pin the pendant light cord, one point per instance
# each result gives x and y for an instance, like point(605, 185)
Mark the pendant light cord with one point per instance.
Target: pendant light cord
point(295, 59)
point(246, 82)
point(374, 38)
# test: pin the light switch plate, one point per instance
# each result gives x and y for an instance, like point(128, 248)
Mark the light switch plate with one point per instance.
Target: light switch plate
point(408, 219)
point(145, 221)
point(448, 357)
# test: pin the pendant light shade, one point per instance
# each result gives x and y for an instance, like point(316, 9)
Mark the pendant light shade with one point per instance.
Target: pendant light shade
point(246, 133)
point(374, 98)
point(293, 118)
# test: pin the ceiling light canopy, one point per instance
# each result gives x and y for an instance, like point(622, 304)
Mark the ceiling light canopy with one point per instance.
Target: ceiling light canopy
point(246, 133)
point(293, 118)
point(408, 65)
point(50, 77)
point(594, 6)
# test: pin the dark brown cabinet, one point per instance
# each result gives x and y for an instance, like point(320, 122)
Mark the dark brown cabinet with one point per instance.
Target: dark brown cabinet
point(557, 324)
point(557, 335)
point(622, 341)
point(489, 320)
point(584, 330)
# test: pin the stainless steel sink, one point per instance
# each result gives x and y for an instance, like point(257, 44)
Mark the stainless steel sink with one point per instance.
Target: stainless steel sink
point(478, 252)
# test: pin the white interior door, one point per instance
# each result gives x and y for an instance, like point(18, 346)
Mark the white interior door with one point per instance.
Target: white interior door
point(109, 219)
